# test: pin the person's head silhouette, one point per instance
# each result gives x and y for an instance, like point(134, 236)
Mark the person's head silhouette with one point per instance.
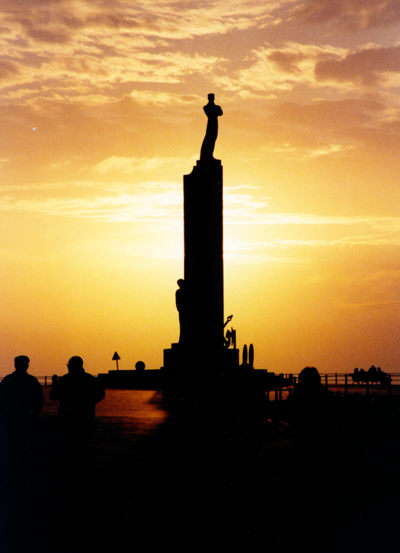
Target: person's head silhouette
point(21, 363)
point(75, 365)
point(211, 97)
point(310, 377)
point(180, 283)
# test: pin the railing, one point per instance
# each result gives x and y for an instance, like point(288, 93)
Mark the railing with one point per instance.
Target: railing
point(43, 380)
point(386, 381)
point(339, 382)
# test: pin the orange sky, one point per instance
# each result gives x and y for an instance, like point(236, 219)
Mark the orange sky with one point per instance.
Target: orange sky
point(101, 115)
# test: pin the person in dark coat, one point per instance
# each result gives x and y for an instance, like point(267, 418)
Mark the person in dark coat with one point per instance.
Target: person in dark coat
point(314, 416)
point(77, 393)
point(21, 401)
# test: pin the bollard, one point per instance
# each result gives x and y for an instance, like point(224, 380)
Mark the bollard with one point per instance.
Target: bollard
point(345, 384)
point(335, 378)
point(45, 380)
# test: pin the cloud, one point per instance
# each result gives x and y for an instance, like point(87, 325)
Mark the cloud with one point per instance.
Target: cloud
point(88, 51)
point(368, 66)
point(267, 69)
point(154, 97)
point(287, 61)
point(8, 69)
point(323, 127)
point(351, 14)
point(152, 202)
point(306, 153)
point(61, 21)
point(131, 165)
point(95, 68)
point(161, 202)
point(391, 224)
point(272, 69)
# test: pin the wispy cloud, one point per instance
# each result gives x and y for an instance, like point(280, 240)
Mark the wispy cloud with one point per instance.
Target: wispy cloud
point(99, 44)
point(352, 14)
point(162, 203)
point(373, 65)
point(129, 165)
point(326, 126)
point(306, 153)
point(152, 202)
point(61, 20)
point(269, 69)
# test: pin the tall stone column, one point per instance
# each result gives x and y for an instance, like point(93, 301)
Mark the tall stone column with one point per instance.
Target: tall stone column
point(203, 265)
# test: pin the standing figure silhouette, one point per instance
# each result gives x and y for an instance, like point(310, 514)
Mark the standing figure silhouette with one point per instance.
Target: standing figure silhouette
point(21, 400)
point(213, 112)
point(77, 393)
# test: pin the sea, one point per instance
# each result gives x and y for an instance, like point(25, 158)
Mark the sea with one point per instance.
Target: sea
point(137, 411)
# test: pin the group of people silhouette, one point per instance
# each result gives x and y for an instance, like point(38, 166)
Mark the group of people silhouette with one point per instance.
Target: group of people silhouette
point(372, 375)
point(21, 401)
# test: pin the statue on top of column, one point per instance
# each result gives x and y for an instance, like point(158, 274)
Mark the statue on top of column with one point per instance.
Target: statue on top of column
point(213, 112)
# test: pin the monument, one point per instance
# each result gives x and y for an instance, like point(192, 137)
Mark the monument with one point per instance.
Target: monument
point(200, 296)
point(203, 348)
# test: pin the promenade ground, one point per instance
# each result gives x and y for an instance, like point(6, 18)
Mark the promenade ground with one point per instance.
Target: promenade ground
point(213, 477)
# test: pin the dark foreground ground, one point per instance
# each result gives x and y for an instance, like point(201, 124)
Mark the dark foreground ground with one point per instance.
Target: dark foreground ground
point(219, 475)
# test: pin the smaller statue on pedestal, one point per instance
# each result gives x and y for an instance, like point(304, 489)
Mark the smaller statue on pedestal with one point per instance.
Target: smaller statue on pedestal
point(213, 112)
point(181, 305)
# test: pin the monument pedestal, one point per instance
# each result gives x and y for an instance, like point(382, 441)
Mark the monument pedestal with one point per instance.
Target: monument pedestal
point(179, 360)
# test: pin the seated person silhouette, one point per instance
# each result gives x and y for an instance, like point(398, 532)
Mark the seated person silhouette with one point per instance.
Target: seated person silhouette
point(77, 393)
point(21, 400)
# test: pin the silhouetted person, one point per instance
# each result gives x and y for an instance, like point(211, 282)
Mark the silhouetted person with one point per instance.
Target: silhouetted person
point(77, 393)
point(314, 416)
point(140, 366)
point(181, 305)
point(21, 400)
point(372, 374)
point(213, 112)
